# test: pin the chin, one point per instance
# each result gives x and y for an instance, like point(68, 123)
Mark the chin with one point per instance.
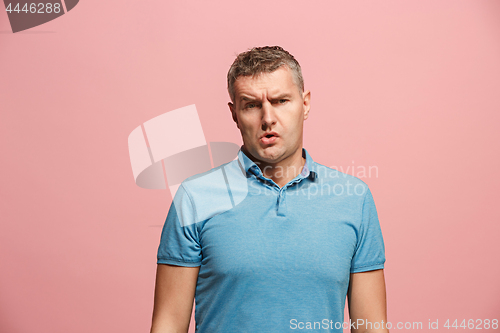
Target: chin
point(271, 154)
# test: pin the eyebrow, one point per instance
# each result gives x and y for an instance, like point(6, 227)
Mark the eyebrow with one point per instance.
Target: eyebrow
point(251, 99)
point(247, 99)
point(285, 95)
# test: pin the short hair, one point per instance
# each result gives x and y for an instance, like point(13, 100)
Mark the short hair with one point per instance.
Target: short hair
point(259, 60)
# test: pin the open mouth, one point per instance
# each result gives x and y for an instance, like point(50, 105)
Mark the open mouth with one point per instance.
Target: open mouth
point(268, 138)
point(269, 135)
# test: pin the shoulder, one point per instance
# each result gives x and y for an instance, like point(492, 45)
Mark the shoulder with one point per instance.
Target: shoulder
point(339, 185)
point(214, 179)
point(334, 176)
point(214, 191)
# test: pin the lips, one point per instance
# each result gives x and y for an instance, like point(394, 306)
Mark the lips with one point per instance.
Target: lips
point(269, 137)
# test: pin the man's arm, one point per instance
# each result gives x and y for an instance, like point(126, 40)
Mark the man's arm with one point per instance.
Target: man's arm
point(367, 302)
point(174, 296)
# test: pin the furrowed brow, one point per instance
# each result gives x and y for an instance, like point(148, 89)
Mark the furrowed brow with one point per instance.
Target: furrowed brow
point(282, 96)
point(247, 99)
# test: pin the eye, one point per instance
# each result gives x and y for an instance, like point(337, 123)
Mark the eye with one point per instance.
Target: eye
point(250, 105)
point(283, 101)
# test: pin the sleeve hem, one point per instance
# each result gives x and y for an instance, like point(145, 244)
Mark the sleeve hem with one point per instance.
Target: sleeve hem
point(367, 268)
point(176, 262)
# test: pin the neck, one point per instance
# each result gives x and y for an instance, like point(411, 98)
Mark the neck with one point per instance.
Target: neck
point(283, 171)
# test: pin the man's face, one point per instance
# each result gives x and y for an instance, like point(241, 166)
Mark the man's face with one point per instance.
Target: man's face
point(270, 111)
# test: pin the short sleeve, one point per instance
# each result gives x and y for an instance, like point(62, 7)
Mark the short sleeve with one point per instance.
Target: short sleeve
point(370, 252)
point(179, 243)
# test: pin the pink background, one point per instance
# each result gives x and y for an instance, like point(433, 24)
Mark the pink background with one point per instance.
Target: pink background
point(411, 87)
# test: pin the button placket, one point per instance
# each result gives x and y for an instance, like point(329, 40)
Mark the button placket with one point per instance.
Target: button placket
point(282, 202)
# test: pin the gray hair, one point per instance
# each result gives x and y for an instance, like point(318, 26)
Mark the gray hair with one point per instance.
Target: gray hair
point(264, 59)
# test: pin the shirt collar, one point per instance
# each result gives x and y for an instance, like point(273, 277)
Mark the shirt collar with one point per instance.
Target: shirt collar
point(308, 171)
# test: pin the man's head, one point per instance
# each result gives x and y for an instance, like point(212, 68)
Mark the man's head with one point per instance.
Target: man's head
point(269, 104)
point(259, 60)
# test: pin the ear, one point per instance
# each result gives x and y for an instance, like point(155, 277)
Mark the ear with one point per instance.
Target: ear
point(233, 113)
point(306, 97)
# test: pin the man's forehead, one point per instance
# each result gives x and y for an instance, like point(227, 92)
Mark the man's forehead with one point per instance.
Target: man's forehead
point(279, 82)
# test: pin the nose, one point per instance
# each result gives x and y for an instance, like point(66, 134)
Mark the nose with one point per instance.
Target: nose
point(268, 115)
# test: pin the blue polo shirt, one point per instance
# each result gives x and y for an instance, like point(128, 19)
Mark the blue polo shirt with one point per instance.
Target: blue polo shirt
point(272, 259)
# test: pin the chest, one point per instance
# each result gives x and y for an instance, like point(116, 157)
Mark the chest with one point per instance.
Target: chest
point(253, 240)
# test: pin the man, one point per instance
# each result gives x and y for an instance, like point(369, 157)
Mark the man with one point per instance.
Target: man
point(273, 241)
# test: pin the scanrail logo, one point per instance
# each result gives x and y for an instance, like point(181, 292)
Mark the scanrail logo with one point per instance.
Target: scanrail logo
point(27, 14)
point(171, 147)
